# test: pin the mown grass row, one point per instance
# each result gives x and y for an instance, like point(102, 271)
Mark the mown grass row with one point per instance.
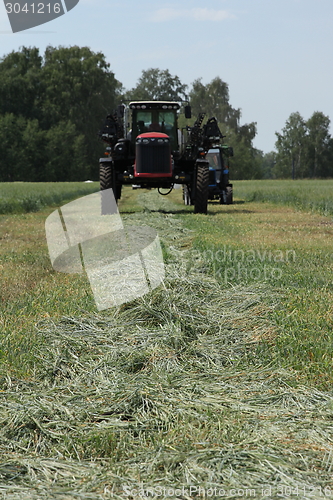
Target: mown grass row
point(170, 392)
point(290, 251)
point(24, 197)
point(221, 378)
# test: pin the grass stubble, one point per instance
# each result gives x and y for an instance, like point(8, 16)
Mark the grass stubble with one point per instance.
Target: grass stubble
point(195, 385)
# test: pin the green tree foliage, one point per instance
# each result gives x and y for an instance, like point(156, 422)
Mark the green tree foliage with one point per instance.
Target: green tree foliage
point(65, 154)
point(11, 160)
point(68, 91)
point(304, 148)
point(268, 161)
point(213, 99)
point(81, 81)
point(21, 86)
point(29, 153)
point(156, 84)
point(291, 145)
point(319, 146)
point(33, 153)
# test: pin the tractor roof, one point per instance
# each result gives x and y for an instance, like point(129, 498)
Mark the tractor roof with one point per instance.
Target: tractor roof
point(154, 105)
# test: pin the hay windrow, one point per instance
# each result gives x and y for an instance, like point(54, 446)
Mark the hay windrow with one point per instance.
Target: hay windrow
point(176, 389)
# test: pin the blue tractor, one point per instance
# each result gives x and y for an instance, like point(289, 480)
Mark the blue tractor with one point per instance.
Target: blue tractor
point(219, 185)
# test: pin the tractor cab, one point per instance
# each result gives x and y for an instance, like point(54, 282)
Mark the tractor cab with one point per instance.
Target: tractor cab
point(155, 116)
point(219, 185)
point(215, 160)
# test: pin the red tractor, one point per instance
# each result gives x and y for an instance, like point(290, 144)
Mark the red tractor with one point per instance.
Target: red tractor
point(154, 153)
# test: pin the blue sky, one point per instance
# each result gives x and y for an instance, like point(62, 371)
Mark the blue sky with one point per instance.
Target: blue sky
point(276, 55)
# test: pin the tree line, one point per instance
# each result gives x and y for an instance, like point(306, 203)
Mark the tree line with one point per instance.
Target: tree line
point(50, 109)
point(52, 106)
point(304, 149)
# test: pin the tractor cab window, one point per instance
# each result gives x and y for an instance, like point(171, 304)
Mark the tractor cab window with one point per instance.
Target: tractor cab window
point(156, 120)
point(214, 159)
point(143, 122)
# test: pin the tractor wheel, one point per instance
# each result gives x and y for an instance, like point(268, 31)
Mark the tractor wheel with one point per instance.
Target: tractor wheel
point(107, 180)
point(229, 199)
point(201, 191)
point(223, 197)
point(105, 177)
point(118, 192)
point(186, 195)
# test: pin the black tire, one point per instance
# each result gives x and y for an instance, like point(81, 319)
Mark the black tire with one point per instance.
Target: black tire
point(105, 177)
point(226, 196)
point(223, 197)
point(118, 192)
point(186, 195)
point(107, 180)
point(229, 198)
point(202, 186)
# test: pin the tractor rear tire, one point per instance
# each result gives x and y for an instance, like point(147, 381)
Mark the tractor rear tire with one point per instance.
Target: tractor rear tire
point(229, 199)
point(186, 195)
point(202, 186)
point(107, 180)
point(105, 177)
point(226, 196)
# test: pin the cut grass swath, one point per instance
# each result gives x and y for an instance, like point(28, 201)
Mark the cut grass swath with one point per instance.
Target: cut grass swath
point(168, 391)
point(179, 389)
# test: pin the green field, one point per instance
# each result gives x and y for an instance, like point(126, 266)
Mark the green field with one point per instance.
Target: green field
point(23, 197)
point(217, 384)
point(310, 195)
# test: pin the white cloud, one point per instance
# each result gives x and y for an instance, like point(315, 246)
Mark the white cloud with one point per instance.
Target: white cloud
point(198, 14)
point(209, 14)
